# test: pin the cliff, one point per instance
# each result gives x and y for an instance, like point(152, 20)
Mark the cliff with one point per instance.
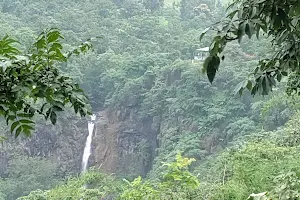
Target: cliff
point(123, 144)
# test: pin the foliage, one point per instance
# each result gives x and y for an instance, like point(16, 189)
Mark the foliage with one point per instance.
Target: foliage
point(287, 186)
point(28, 174)
point(140, 190)
point(143, 71)
point(32, 83)
point(153, 4)
point(91, 185)
point(291, 136)
point(176, 183)
point(277, 110)
point(278, 20)
point(266, 163)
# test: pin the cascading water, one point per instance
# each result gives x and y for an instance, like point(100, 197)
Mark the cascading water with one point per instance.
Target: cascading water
point(87, 148)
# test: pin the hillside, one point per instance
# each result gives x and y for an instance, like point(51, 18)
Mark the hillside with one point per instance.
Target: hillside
point(152, 103)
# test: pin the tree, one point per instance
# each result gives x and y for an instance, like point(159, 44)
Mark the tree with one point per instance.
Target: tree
point(39, 172)
point(278, 20)
point(153, 4)
point(32, 84)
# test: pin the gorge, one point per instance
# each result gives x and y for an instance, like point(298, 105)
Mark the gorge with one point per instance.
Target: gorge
point(144, 82)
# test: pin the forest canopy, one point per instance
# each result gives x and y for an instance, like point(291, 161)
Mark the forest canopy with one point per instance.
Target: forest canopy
point(161, 129)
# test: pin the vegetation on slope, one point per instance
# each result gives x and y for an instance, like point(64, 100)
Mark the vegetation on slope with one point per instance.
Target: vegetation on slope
point(143, 66)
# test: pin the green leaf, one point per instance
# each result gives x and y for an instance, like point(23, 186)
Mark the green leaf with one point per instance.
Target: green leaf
point(56, 46)
point(277, 22)
point(232, 14)
point(10, 118)
point(254, 89)
point(43, 106)
point(53, 36)
point(206, 62)
point(18, 131)
point(249, 85)
point(41, 43)
point(49, 111)
point(26, 121)
point(212, 68)
point(216, 47)
point(57, 108)
point(203, 33)
point(27, 130)
point(14, 125)
point(26, 115)
point(279, 77)
point(53, 117)
point(265, 86)
point(249, 29)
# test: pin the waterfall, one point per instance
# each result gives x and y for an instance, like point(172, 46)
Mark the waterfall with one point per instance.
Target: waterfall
point(87, 148)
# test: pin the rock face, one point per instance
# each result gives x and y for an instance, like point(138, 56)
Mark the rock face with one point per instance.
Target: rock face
point(105, 151)
point(62, 143)
point(123, 144)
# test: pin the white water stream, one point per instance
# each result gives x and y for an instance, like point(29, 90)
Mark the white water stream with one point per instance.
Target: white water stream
point(87, 148)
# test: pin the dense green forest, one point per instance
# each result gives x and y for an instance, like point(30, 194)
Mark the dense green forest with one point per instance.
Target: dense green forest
point(164, 129)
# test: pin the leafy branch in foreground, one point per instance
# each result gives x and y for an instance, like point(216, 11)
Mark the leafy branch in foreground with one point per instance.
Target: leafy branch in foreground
point(31, 83)
point(277, 19)
point(176, 183)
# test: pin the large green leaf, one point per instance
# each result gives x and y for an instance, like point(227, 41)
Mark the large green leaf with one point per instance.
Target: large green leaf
point(212, 68)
